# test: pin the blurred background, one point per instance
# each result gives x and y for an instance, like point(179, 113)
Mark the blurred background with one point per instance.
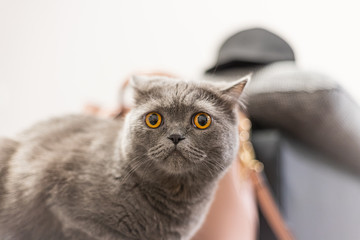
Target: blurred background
point(57, 55)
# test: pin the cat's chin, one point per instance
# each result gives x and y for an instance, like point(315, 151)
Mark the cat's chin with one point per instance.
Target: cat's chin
point(175, 163)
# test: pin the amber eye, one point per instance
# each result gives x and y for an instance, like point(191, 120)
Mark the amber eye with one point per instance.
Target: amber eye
point(202, 120)
point(153, 120)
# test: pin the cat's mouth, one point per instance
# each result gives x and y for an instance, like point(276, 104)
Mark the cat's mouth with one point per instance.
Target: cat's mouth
point(176, 153)
point(175, 162)
point(176, 158)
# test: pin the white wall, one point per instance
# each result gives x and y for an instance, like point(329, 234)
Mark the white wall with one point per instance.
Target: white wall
point(57, 55)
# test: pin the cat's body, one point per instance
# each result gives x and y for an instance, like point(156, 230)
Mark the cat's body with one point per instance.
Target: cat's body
point(80, 177)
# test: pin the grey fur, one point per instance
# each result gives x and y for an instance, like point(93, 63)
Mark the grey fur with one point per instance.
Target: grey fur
point(80, 177)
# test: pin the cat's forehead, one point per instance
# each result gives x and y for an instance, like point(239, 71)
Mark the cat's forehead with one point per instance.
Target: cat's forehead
point(182, 94)
point(180, 107)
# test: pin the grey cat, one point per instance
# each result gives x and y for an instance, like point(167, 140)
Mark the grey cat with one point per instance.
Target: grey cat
point(149, 176)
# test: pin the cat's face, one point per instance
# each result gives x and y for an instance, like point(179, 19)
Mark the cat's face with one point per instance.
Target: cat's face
point(178, 127)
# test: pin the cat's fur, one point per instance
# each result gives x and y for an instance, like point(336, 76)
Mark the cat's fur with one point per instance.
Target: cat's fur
point(80, 177)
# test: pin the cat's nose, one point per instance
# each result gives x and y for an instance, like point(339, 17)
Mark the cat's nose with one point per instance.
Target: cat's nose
point(176, 138)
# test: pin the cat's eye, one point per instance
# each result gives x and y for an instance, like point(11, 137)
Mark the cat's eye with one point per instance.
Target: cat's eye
point(153, 120)
point(201, 120)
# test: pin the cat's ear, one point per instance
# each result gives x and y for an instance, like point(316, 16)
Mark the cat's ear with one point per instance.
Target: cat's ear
point(235, 89)
point(140, 85)
point(138, 82)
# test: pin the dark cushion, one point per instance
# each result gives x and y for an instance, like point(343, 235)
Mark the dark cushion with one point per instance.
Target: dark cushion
point(309, 106)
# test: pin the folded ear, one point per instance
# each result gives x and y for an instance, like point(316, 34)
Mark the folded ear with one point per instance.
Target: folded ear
point(235, 89)
point(137, 82)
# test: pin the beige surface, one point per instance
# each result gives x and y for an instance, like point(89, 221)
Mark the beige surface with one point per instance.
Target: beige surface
point(233, 214)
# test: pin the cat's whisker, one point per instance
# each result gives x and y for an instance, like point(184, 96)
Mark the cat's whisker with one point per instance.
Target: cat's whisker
point(207, 168)
point(153, 149)
point(217, 165)
point(196, 149)
point(159, 150)
point(138, 162)
point(146, 167)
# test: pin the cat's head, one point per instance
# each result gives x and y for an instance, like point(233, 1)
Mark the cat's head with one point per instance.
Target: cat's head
point(178, 127)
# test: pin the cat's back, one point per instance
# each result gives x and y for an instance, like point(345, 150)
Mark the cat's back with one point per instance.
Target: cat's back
point(53, 144)
point(44, 158)
point(62, 127)
point(58, 137)
point(7, 149)
point(62, 138)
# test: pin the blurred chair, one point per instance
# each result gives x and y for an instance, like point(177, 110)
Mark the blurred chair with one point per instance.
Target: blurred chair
point(306, 131)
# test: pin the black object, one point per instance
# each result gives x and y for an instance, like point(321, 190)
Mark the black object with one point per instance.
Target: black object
point(252, 47)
